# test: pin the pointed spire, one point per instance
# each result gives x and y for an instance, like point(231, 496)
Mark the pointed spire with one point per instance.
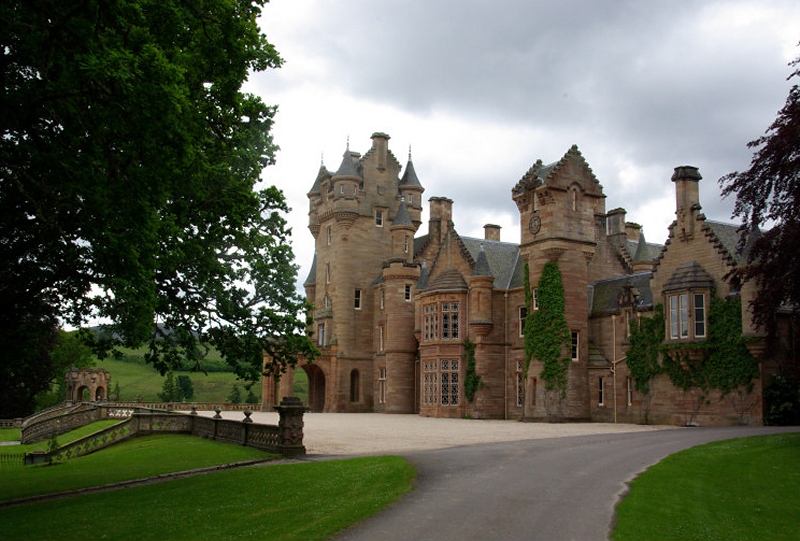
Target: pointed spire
point(347, 168)
point(402, 217)
point(482, 265)
point(410, 175)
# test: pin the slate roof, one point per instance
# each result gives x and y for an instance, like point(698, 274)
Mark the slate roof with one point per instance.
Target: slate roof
point(410, 176)
point(482, 264)
point(728, 235)
point(604, 294)
point(348, 166)
point(321, 175)
point(641, 250)
point(502, 258)
point(402, 218)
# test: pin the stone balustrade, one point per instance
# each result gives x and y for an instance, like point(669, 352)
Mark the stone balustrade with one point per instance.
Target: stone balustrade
point(286, 438)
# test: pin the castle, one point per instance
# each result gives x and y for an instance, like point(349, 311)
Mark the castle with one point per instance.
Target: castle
point(394, 307)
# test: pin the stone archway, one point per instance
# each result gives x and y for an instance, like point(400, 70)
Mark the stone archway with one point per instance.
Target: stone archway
point(95, 380)
point(316, 387)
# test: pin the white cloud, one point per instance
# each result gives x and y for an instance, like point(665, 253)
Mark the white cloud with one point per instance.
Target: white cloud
point(482, 89)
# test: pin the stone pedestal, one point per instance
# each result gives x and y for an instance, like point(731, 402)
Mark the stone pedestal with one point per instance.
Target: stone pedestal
point(290, 426)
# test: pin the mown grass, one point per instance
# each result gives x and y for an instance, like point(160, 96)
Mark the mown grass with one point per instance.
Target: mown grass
point(133, 459)
point(734, 490)
point(301, 501)
point(13, 434)
point(9, 434)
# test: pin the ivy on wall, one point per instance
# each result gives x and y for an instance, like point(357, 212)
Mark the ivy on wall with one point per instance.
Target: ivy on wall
point(472, 381)
point(646, 339)
point(724, 364)
point(546, 332)
point(720, 362)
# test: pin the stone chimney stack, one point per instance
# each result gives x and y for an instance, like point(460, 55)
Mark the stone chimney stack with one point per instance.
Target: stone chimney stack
point(687, 199)
point(380, 144)
point(633, 231)
point(441, 216)
point(615, 222)
point(491, 232)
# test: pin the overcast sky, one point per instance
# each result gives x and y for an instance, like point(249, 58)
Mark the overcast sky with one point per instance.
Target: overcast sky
point(482, 89)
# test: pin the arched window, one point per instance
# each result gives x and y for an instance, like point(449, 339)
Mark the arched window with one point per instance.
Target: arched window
point(355, 385)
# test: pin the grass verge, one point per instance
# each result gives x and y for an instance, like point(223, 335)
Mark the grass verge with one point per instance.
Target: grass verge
point(734, 490)
point(303, 501)
point(133, 459)
point(7, 434)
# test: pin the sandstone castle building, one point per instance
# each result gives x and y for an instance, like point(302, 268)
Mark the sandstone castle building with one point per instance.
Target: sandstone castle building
point(396, 301)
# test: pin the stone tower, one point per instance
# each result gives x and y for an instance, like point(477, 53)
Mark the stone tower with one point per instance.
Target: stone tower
point(362, 216)
point(560, 205)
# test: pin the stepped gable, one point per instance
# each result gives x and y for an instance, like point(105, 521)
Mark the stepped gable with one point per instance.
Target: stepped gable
point(389, 154)
point(604, 295)
point(727, 238)
point(532, 178)
point(573, 154)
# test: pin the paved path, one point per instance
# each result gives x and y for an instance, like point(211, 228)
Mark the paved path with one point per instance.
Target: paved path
point(548, 489)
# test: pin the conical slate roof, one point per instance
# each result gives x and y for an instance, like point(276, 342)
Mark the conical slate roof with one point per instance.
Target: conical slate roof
point(348, 167)
point(482, 265)
point(402, 218)
point(410, 175)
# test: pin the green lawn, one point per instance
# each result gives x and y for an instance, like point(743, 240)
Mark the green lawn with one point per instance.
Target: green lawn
point(302, 501)
point(735, 490)
point(12, 434)
point(132, 459)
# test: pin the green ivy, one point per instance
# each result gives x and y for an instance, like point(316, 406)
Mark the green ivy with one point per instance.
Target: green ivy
point(724, 364)
point(472, 381)
point(646, 339)
point(546, 331)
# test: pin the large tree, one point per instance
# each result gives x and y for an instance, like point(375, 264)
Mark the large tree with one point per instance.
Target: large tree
point(129, 168)
point(769, 193)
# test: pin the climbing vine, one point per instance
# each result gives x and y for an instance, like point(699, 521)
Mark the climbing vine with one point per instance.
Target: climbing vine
point(546, 331)
point(472, 381)
point(724, 362)
point(646, 339)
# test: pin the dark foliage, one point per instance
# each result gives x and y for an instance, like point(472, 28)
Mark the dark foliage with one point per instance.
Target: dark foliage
point(769, 193)
point(129, 159)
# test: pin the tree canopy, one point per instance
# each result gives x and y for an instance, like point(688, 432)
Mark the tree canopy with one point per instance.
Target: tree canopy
point(769, 193)
point(130, 160)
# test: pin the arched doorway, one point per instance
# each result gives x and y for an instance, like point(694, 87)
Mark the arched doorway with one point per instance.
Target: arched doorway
point(87, 384)
point(355, 386)
point(316, 387)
